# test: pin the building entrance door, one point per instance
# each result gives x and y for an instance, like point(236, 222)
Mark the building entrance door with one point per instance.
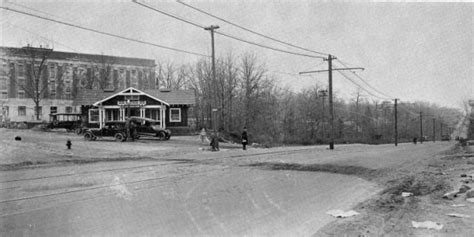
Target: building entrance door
point(133, 112)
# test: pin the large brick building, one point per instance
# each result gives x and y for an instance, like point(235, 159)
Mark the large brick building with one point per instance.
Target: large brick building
point(68, 79)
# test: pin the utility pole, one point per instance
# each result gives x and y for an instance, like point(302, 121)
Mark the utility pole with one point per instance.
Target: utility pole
point(396, 122)
point(331, 106)
point(323, 94)
point(421, 127)
point(434, 129)
point(211, 29)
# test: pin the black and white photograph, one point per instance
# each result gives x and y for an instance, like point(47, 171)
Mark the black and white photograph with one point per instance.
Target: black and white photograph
point(236, 118)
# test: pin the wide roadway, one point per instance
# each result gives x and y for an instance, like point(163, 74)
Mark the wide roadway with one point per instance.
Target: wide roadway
point(176, 188)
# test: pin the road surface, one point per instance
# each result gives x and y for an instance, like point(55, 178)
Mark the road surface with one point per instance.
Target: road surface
point(176, 189)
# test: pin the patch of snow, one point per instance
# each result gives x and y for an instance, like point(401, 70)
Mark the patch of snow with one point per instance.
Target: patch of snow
point(427, 225)
point(341, 213)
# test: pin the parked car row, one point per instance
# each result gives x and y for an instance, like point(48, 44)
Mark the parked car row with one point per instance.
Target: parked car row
point(135, 127)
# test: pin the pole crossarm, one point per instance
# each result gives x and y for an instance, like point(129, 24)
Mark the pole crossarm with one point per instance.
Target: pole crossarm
point(334, 69)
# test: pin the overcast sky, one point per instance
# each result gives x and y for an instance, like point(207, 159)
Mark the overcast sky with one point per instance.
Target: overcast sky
point(411, 51)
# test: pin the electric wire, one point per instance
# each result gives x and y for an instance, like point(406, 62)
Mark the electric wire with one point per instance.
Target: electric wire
point(365, 82)
point(224, 34)
point(103, 33)
point(43, 37)
point(249, 30)
point(265, 46)
point(360, 86)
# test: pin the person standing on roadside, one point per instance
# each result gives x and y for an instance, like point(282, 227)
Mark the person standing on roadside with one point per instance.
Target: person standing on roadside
point(244, 139)
point(203, 135)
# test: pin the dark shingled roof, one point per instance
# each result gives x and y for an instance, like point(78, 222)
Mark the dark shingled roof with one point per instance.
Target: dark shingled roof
point(81, 57)
point(173, 97)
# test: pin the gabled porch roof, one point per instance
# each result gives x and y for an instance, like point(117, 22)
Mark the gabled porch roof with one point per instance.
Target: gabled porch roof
point(129, 92)
point(172, 97)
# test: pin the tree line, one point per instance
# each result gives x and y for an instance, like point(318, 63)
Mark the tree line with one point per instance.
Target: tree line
point(245, 94)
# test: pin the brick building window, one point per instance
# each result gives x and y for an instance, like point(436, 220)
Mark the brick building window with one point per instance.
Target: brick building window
point(21, 70)
point(68, 109)
point(21, 110)
point(53, 109)
point(21, 94)
point(52, 72)
point(3, 81)
point(39, 111)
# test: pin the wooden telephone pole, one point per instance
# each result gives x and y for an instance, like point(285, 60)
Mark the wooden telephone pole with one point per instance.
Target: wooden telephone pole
point(396, 122)
point(331, 105)
point(214, 82)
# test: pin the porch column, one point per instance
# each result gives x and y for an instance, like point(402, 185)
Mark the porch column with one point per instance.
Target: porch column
point(142, 111)
point(122, 113)
point(162, 116)
point(101, 117)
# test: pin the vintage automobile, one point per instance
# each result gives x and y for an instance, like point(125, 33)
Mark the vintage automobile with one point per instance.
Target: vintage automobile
point(148, 127)
point(69, 121)
point(111, 129)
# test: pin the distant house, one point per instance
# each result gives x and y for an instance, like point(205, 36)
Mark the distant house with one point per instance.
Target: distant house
point(169, 107)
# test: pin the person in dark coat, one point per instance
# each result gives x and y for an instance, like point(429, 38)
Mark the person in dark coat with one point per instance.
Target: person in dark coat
point(214, 142)
point(245, 140)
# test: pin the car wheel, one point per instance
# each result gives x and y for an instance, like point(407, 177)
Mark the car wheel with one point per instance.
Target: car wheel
point(94, 138)
point(161, 135)
point(78, 131)
point(88, 137)
point(119, 137)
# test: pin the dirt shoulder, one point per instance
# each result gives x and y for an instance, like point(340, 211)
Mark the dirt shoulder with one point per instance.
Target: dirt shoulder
point(389, 213)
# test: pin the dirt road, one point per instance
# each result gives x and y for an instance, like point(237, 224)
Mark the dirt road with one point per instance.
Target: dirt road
point(175, 188)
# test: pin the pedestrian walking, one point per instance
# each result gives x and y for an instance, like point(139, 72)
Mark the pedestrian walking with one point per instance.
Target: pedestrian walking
point(244, 139)
point(202, 135)
point(214, 142)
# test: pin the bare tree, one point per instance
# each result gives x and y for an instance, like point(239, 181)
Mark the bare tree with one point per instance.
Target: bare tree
point(35, 84)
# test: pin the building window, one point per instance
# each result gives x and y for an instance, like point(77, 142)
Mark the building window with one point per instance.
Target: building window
point(93, 116)
point(3, 84)
point(3, 70)
point(152, 114)
point(39, 111)
point(52, 72)
point(68, 109)
point(52, 94)
point(21, 94)
point(175, 114)
point(5, 110)
point(112, 115)
point(21, 110)
point(3, 81)
point(53, 109)
point(21, 70)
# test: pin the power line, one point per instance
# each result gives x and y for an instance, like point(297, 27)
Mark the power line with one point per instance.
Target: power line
point(224, 34)
point(365, 82)
point(36, 10)
point(267, 47)
point(249, 30)
point(103, 33)
point(43, 37)
point(360, 86)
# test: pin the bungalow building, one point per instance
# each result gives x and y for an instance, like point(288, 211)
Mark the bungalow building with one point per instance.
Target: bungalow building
point(168, 107)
